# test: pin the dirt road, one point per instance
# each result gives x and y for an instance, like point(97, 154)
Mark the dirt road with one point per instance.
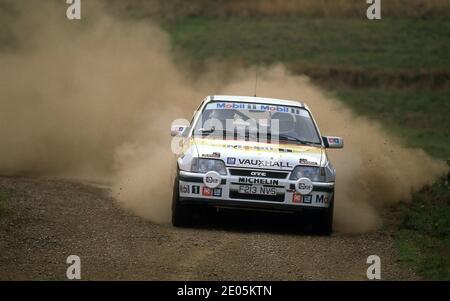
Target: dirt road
point(44, 221)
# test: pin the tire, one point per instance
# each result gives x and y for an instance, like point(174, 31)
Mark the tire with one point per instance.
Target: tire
point(181, 214)
point(324, 220)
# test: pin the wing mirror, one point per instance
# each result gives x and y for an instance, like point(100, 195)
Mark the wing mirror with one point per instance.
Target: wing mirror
point(177, 130)
point(179, 127)
point(333, 142)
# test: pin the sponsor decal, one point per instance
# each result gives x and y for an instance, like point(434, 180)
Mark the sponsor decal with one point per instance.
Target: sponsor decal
point(217, 192)
point(206, 191)
point(243, 106)
point(184, 188)
point(258, 174)
point(178, 129)
point(230, 105)
point(264, 163)
point(322, 199)
point(258, 148)
point(213, 155)
point(307, 199)
point(212, 179)
point(196, 189)
point(333, 140)
point(231, 161)
point(304, 186)
point(258, 181)
point(306, 162)
point(296, 198)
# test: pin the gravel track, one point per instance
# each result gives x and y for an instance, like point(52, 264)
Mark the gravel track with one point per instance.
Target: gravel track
point(46, 220)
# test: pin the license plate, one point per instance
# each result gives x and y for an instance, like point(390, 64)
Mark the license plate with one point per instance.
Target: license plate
point(256, 189)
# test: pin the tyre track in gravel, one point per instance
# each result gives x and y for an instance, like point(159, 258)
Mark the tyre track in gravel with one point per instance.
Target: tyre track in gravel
point(46, 220)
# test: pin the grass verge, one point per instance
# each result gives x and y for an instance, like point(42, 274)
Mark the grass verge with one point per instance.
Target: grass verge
point(423, 238)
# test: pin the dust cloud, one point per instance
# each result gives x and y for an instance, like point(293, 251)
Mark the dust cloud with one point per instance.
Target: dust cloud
point(95, 99)
point(92, 99)
point(373, 169)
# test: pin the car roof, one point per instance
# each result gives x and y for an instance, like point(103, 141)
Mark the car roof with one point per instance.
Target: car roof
point(251, 99)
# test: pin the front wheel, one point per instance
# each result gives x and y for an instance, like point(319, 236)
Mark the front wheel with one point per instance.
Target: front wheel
point(181, 214)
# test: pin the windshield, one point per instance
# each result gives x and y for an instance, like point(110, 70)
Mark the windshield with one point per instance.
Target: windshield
point(257, 122)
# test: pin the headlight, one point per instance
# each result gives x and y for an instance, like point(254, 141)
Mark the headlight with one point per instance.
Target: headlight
point(312, 173)
point(315, 174)
point(330, 172)
point(204, 165)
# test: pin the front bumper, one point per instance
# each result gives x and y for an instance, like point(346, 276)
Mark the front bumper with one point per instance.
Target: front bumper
point(194, 191)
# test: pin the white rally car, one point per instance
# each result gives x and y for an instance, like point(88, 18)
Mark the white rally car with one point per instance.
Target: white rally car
point(254, 153)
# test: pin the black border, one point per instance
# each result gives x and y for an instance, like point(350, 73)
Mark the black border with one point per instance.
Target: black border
point(153, 290)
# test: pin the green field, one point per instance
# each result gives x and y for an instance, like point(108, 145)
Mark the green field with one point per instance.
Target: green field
point(391, 44)
point(423, 239)
point(396, 71)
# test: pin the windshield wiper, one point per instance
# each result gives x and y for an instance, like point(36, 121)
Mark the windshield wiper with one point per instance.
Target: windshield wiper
point(292, 138)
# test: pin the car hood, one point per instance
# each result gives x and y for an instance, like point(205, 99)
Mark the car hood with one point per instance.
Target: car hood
point(259, 155)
